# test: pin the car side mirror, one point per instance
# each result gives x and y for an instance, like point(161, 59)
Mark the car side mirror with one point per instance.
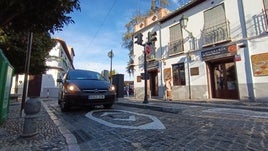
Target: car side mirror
point(59, 80)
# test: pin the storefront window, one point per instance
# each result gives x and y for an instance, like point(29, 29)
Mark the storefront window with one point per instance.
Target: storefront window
point(178, 74)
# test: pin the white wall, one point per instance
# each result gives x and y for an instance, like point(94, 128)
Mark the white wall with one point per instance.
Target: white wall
point(255, 44)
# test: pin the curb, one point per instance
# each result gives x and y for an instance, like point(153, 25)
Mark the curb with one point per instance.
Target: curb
point(233, 106)
point(151, 107)
point(69, 137)
point(159, 105)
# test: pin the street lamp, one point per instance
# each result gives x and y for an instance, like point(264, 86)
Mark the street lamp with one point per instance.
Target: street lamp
point(183, 21)
point(183, 24)
point(111, 55)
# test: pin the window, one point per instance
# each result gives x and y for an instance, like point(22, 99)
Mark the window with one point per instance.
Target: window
point(216, 28)
point(178, 74)
point(176, 40)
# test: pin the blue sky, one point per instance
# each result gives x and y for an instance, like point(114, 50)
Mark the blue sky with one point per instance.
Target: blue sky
point(98, 29)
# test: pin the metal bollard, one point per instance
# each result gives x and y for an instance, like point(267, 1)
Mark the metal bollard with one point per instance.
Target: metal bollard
point(31, 110)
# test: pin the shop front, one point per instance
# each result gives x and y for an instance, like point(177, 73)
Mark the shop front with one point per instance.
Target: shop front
point(221, 69)
point(152, 68)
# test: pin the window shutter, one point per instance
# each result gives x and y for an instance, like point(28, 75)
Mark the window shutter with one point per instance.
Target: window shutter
point(214, 16)
point(265, 4)
point(175, 33)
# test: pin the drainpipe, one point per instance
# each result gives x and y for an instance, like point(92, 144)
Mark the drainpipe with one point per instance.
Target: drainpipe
point(248, 70)
point(189, 76)
point(161, 70)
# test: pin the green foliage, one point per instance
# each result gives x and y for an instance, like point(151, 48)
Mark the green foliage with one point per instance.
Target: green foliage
point(18, 17)
point(128, 35)
point(15, 46)
point(112, 73)
point(36, 15)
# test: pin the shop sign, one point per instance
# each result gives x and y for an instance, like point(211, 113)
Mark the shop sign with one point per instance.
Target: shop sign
point(152, 65)
point(260, 64)
point(194, 71)
point(237, 58)
point(219, 52)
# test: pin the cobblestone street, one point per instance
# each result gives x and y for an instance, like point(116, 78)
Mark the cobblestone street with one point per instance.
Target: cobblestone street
point(191, 128)
point(48, 137)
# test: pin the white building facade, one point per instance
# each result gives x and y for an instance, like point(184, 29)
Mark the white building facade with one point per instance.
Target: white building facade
point(220, 54)
point(59, 62)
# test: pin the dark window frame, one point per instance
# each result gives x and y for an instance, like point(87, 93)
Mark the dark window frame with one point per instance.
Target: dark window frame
point(178, 71)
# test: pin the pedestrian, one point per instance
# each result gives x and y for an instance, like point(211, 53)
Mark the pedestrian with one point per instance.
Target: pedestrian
point(127, 90)
point(168, 88)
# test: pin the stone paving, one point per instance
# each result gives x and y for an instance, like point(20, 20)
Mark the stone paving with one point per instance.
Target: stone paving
point(189, 126)
point(48, 138)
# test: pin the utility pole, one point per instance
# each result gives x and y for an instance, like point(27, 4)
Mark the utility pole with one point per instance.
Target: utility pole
point(26, 71)
point(145, 101)
point(111, 55)
point(147, 49)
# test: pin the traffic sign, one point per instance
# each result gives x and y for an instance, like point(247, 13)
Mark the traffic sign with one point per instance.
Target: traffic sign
point(147, 49)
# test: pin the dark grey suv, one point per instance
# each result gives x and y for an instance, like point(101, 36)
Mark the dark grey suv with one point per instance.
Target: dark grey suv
point(85, 88)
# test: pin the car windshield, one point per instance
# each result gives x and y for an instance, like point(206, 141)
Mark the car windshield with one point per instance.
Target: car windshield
point(84, 75)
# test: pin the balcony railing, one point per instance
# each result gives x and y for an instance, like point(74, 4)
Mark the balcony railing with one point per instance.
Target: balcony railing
point(216, 34)
point(261, 22)
point(175, 47)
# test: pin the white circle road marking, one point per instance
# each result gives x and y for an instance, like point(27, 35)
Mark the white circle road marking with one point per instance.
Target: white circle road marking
point(155, 124)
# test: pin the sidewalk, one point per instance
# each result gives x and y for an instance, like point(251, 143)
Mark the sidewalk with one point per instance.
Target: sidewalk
point(174, 106)
point(51, 135)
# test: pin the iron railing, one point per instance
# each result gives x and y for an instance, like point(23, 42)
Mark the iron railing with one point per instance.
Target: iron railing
point(175, 47)
point(216, 34)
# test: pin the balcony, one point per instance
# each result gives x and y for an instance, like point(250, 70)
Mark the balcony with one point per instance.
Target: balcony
point(216, 34)
point(260, 22)
point(175, 47)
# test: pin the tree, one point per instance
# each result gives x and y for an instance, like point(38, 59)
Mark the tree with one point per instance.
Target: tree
point(14, 47)
point(128, 42)
point(112, 73)
point(128, 36)
point(36, 15)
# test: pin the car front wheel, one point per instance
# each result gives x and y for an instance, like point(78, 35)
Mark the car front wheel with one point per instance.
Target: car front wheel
point(108, 106)
point(64, 106)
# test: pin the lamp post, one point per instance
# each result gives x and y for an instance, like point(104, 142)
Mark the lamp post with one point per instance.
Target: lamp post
point(183, 24)
point(145, 101)
point(111, 55)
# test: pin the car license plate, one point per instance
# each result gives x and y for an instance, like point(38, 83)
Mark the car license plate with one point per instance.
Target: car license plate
point(93, 97)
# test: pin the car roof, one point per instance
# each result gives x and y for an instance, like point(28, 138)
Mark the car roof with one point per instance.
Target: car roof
point(81, 70)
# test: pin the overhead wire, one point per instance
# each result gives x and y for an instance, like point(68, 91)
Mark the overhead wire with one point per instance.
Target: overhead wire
point(102, 23)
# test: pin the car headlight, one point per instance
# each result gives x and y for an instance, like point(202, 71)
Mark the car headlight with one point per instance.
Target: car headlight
point(71, 88)
point(112, 88)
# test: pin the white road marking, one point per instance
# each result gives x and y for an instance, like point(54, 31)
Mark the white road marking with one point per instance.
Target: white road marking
point(130, 118)
point(155, 124)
